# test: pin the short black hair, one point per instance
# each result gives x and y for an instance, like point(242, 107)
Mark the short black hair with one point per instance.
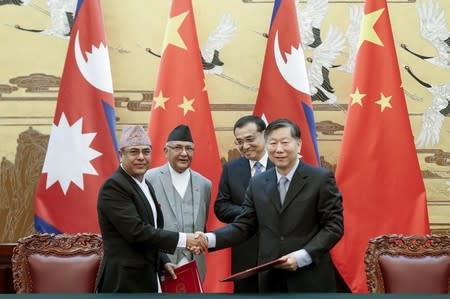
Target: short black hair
point(260, 124)
point(283, 123)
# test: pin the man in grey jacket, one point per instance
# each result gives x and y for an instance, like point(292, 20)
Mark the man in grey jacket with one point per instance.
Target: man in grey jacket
point(184, 194)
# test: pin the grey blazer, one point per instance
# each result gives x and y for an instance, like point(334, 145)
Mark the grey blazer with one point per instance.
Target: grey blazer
point(162, 183)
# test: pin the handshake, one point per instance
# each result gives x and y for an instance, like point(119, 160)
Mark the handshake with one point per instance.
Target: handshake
point(197, 242)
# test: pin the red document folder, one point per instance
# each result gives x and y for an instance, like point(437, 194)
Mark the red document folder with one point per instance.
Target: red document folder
point(254, 270)
point(188, 280)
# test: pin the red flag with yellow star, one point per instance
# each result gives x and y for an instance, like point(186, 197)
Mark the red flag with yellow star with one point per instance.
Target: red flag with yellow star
point(181, 98)
point(377, 172)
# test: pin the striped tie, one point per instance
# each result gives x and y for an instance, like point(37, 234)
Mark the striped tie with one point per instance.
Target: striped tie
point(258, 167)
point(282, 187)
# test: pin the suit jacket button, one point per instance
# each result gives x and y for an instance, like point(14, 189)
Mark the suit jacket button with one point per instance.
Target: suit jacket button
point(282, 238)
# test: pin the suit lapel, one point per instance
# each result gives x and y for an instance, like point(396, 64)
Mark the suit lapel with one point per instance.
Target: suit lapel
point(272, 190)
point(195, 194)
point(166, 183)
point(296, 185)
point(159, 214)
point(140, 194)
point(144, 199)
point(243, 171)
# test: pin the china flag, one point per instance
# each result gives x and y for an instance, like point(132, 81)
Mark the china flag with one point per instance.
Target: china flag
point(81, 151)
point(181, 98)
point(284, 88)
point(377, 171)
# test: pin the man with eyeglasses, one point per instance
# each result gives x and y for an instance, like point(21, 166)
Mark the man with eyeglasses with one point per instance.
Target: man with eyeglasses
point(131, 223)
point(183, 193)
point(249, 139)
point(296, 210)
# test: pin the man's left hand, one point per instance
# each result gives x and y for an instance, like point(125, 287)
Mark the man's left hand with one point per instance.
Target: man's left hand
point(170, 268)
point(290, 263)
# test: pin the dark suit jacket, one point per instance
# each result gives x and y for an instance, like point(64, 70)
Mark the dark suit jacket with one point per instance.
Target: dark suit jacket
point(131, 242)
point(233, 182)
point(311, 218)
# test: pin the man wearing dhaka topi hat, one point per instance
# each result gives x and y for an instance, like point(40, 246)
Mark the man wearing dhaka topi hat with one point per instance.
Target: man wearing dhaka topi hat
point(131, 222)
point(183, 193)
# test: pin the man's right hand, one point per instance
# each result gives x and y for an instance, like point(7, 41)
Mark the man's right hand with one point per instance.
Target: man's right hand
point(196, 243)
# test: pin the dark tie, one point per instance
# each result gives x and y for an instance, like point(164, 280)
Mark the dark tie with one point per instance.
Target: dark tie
point(282, 187)
point(258, 167)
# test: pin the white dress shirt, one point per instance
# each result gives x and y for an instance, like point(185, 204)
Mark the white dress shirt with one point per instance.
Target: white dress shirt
point(263, 162)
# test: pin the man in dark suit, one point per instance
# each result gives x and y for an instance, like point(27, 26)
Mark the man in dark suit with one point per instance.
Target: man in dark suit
point(131, 223)
point(296, 210)
point(249, 139)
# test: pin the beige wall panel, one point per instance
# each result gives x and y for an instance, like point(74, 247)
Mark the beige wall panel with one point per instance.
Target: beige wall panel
point(28, 100)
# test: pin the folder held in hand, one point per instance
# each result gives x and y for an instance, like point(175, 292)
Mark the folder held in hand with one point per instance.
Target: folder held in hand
point(252, 271)
point(188, 280)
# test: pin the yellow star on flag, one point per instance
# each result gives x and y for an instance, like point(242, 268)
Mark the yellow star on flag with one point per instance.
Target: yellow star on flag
point(368, 33)
point(172, 35)
point(187, 105)
point(160, 101)
point(384, 102)
point(357, 97)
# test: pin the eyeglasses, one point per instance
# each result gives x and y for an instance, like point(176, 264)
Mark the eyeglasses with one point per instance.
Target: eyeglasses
point(135, 152)
point(248, 140)
point(179, 149)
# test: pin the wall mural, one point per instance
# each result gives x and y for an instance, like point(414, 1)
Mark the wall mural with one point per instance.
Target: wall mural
point(232, 35)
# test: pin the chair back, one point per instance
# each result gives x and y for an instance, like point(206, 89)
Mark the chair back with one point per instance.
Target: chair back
point(408, 264)
point(49, 263)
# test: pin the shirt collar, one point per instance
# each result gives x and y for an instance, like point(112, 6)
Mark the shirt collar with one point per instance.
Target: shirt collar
point(290, 173)
point(263, 161)
point(135, 179)
point(174, 174)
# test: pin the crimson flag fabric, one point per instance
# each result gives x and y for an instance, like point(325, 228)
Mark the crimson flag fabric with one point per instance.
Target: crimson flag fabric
point(284, 87)
point(377, 171)
point(81, 151)
point(181, 98)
